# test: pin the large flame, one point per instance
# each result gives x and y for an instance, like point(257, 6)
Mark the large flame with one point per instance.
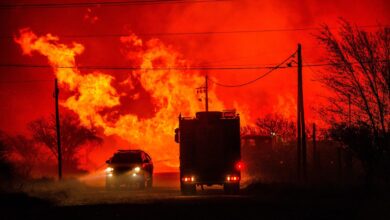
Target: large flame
point(95, 99)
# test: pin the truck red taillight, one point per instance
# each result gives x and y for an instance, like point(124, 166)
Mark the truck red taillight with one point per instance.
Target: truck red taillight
point(232, 178)
point(239, 165)
point(188, 179)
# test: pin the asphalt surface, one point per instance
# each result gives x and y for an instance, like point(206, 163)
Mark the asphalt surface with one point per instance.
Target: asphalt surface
point(72, 200)
point(166, 188)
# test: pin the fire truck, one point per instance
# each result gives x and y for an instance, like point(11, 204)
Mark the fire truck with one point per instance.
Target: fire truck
point(210, 152)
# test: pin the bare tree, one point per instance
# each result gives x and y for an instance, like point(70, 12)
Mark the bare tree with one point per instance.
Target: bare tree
point(25, 154)
point(6, 168)
point(18, 156)
point(359, 77)
point(73, 137)
point(276, 125)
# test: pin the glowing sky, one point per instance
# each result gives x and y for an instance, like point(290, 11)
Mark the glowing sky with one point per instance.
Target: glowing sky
point(24, 99)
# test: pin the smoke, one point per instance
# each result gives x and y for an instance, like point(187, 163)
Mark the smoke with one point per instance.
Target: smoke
point(139, 109)
point(98, 103)
point(277, 92)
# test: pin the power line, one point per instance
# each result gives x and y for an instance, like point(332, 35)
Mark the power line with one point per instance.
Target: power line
point(200, 33)
point(350, 63)
point(271, 69)
point(178, 67)
point(103, 3)
point(258, 78)
point(279, 66)
point(25, 81)
point(137, 68)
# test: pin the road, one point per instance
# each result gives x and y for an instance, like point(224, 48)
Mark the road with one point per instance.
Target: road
point(77, 201)
point(165, 189)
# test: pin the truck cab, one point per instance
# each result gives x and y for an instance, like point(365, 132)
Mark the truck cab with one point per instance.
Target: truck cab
point(209, 151)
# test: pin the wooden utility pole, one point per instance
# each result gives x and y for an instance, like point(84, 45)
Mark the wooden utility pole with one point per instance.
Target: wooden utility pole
point(314, 156)
point(205, 89)
point(207, 92)
point(301, 142)
point(339, 163)
point(349, 109)
point(59, 153)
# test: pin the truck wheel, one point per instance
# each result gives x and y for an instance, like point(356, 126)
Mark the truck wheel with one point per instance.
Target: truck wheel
point(188, 189)
point(142, 184)
point(149, 183)
point(230, 188)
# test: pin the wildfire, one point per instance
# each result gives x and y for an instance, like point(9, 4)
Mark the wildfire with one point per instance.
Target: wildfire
point(286, 106)
point(94, 98)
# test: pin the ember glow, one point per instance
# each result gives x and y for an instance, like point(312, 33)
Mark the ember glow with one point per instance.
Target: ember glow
point(138, 107)
point(172, 90)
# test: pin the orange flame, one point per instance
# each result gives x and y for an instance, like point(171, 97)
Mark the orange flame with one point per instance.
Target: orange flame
point(172, 91)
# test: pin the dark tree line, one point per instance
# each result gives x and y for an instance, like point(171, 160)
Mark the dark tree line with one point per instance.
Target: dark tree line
point(20, 154)
point(6, 167)
point(359, 78)
point(73, 137)
point(272, 125)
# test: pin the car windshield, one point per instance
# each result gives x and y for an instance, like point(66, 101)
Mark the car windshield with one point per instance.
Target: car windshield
point(127, 158)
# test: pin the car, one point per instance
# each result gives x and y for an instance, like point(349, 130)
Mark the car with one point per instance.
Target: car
point(129, 168)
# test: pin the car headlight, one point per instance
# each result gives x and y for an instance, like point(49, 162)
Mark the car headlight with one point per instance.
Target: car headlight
point(109, 169)
point(137, 169)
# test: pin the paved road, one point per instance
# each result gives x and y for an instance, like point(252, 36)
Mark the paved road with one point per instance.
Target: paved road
point(166, 188)
point(131, 196)
point(77, 201)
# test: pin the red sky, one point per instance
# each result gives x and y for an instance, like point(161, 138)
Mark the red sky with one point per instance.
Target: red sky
point(24, 101)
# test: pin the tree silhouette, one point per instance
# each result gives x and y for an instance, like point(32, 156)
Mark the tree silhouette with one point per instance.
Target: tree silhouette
point(276, 125)
point(359, 77)
point(6, 168)
point(73, 137)
point(25, 154)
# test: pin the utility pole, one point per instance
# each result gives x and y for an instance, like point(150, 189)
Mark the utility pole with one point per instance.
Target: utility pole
point(205, 89)
point(207, 92)
point(347, 151)
point(339, 163)
point(314, 151)
point(59, 153)
point(349, 109)
point(301, 142)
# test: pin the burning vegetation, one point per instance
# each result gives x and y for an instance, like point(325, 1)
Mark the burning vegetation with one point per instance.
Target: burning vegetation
point(154, 68)
point(142, 105)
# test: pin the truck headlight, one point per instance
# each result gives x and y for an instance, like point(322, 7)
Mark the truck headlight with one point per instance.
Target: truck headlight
point(137, 169)
point(109, 169)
